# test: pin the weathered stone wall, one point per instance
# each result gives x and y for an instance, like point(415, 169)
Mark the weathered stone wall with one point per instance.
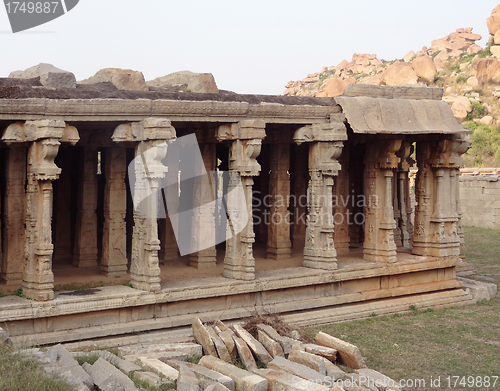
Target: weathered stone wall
point(480, 196)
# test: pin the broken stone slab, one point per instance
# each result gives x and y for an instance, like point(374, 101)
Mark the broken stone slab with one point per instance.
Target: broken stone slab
point(216, 387)
point(349, 353)
point(221, 325)
point(244, 353)
point(309, 360)
point(150, 378)
point(355, 382)
point(67, 375)
point(64, 359)
point(187, 380)
point(50, 76)
point(162, 356)
point(296, 369)
point(202, 336)
point(204, 375)
point(376, 379)
point(220, 346)
point(272, 346)
point(226, 336)
point(288, 344)
point(244, 380)
point(122, 79)
point(323, 351)
point(187, 80)
point(109, 383)
point(479, 290)
point(255, 346)
point(102, 371)
point(334, 371)
point(280, 380)
point(126, 366)
point(160, 368)
point(188, 349)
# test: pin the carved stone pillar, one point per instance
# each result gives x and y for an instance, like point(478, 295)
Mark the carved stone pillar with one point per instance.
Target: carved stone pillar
point(436, 215)
point(85, 253)
point(380, 163)
point(114, 241)
point(14, 233)
point(341, 200)
point(300, 180)
point(247, 136)
point(403, 194)
point(278, 239)
point(205, 217)
point(38, 279)
point(324, 150)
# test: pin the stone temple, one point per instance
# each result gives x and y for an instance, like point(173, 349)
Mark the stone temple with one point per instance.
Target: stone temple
point(338, 169)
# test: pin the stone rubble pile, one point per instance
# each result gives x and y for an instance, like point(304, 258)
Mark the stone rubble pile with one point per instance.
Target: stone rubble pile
point(230, 358)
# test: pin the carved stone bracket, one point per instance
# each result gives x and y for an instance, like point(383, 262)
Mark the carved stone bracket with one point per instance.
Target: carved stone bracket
point(148, 129)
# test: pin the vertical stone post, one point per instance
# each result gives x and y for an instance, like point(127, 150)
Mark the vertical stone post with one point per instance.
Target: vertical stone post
point(403, 193)
point(148, 170)
point(205, 217)
point(380, 163)
point(14, 232)
point(278, 239)
point(85, 252)
point(246, 137)
point(325, 149)
point(341, 200)
point(301, 179)
point(437, 222)
point(114, 241)
point(38, 279)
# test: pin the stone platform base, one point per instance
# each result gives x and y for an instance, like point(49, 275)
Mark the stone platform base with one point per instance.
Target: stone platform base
point(303, 296)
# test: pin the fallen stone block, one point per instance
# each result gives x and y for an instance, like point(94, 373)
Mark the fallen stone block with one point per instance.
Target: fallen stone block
point(288, 344)
point(107, 384)
point(334, 371)
point(479, 290)
point(244, 380)
point(188, 349)
point(272, 346)
point(296, 369)
point(323, 351)
point(349, 353)
point(221, 325)
point(216, 387)
point(165, 356)
point(370, 377)
point(244, 353)
point(104, 373)
point(187, 381)
point(126, 366)
point(279, 380)
point(150, 378)
point(202, 336)
point(309, 360)
point(204, 375)
point(220, 346)
point(160, 368)
point(255, 346)
point(226, 336)
point(64, 359)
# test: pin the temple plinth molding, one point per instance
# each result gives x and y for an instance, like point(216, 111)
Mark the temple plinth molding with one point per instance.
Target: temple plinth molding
point(246, 142)
point(437, 219)
point(325, 148)
point(380, 163)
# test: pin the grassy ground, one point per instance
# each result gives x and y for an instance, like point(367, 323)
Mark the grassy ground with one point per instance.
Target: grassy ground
point(428, 344)
point(19, 373)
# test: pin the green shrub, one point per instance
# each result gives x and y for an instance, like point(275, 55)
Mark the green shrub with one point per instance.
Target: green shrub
point(485, 142)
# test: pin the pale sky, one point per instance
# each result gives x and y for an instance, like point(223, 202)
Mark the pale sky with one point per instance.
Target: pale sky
point(252, 47)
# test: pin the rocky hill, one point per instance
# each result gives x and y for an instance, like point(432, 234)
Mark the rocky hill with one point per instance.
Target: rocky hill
point(468, 73)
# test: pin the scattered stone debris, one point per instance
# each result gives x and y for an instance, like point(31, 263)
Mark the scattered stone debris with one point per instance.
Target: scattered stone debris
point(270, 363)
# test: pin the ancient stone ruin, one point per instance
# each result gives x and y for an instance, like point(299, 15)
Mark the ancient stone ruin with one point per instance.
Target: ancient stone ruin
point(331, 175)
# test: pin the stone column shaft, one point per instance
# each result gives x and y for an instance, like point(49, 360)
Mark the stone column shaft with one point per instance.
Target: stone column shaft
point(114, 242)
point(14, 232)
point(85, 253)
point(342, 199)
point(278, 240)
